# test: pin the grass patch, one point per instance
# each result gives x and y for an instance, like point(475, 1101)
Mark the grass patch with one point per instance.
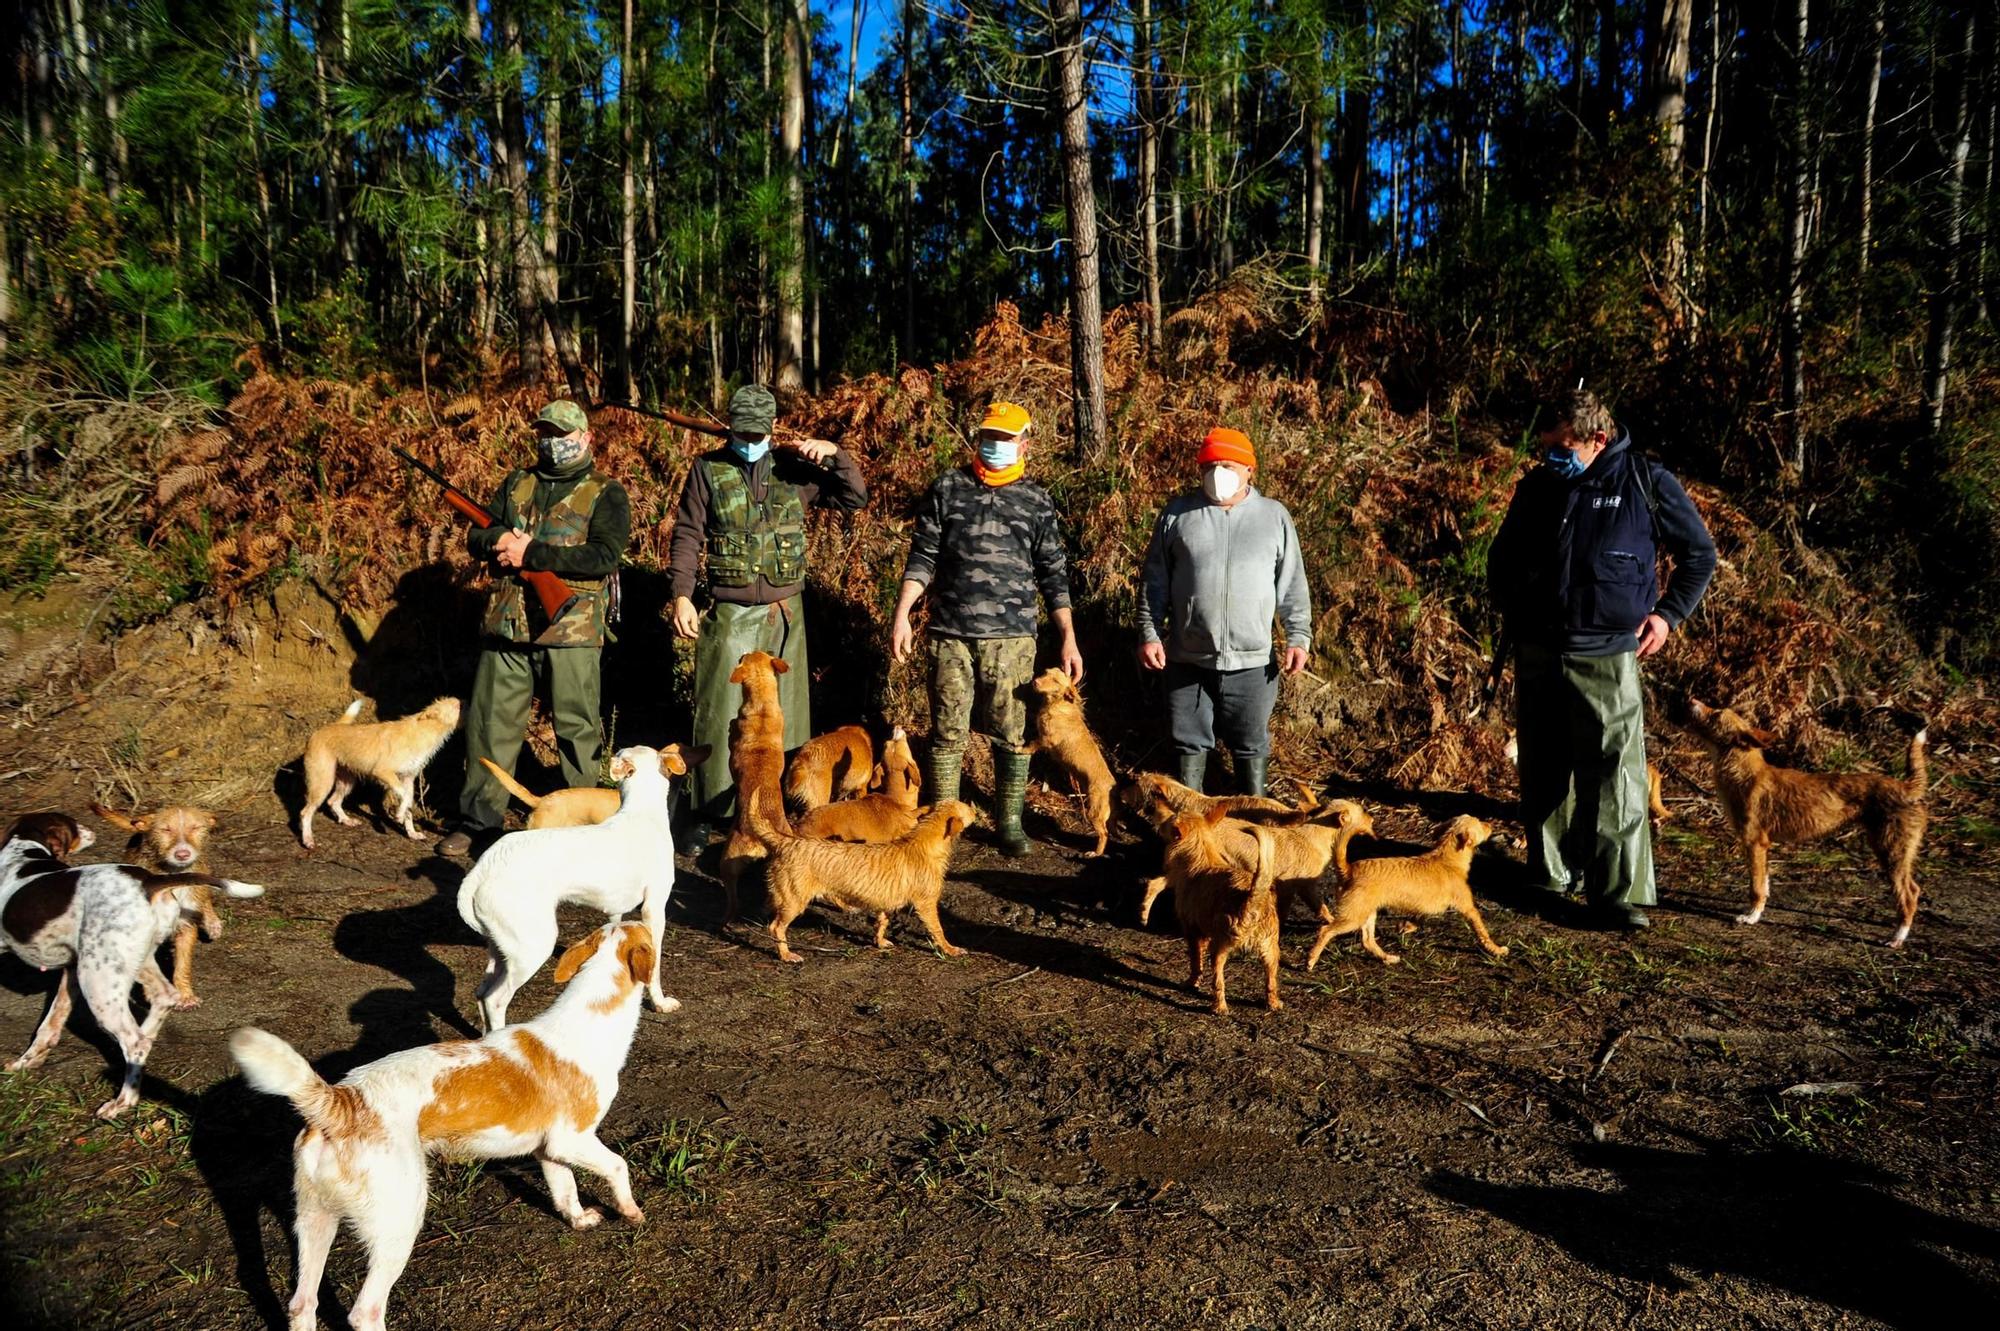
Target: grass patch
point(961, 1156)
point(688, 1160)
point(1816, 1124)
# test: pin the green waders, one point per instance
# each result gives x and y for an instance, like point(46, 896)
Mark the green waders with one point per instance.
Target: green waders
point(728, 631)
point(497, 718)
point(1581, 726)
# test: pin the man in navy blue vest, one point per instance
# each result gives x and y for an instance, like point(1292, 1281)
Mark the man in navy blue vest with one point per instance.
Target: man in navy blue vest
point(1574, 570)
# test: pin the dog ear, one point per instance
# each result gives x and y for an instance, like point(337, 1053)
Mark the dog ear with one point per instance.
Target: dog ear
point(1764, 738)
point(779, 666)
point(635, 949)
point(737, 676)
point(955, 823)
point(579, 952)
point(620, 767)
point(878, 776)
point(670, 762)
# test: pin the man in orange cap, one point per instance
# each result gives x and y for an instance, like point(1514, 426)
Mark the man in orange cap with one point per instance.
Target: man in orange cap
point(986, 544)
point(1223, 565)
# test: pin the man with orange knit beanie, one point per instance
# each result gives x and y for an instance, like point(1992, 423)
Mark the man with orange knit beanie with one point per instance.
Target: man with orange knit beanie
point(1223, 565)
point(986, 544)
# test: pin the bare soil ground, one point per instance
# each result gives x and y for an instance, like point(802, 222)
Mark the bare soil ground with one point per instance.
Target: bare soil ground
point(1051, 1131)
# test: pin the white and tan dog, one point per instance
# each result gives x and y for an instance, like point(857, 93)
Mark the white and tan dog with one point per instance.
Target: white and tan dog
point(540, 1089)
point(99, 925)
point(622, 864)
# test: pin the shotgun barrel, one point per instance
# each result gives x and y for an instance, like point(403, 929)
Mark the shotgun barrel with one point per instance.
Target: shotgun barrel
point(554, 595)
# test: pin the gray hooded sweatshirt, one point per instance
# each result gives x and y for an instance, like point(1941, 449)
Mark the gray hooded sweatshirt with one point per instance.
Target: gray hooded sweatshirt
point(1217, 577)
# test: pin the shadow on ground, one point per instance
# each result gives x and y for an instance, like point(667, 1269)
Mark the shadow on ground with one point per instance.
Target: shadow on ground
point(1827, 1230)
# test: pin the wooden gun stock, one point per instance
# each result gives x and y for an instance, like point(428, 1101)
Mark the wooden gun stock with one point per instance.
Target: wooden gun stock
point(554, 595)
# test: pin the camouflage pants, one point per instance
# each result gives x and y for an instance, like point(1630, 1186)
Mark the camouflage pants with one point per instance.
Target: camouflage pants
point(992, 673)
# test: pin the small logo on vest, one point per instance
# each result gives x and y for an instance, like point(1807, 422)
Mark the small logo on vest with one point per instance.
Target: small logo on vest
point(1605, 501)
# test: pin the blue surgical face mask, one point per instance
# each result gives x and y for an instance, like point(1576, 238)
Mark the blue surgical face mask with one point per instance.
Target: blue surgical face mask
point(1565, 463)
point(748, 451)
point(998, 453)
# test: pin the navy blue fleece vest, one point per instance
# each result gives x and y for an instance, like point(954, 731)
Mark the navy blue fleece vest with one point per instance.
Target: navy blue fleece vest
point(1606, 559)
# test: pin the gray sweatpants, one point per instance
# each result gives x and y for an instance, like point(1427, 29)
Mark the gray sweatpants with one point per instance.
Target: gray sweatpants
point(1227, 707)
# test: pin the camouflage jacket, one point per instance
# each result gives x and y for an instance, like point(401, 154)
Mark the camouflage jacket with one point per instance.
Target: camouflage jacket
point(581, 522)
point(984, 552)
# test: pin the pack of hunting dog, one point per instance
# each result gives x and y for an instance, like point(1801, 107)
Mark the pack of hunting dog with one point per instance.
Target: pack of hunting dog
point(1600, 562)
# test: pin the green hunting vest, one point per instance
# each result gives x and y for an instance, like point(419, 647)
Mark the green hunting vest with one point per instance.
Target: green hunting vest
point(516, 616)
point(748, 540)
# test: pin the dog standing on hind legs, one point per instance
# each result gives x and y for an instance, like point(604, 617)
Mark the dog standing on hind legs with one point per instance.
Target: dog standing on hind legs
point(174, 839)
point(1764, 803)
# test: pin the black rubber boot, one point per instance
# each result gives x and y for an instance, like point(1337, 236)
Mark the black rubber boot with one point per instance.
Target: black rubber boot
point(1250, 770)
point(1193, 768)
point(1010, 793)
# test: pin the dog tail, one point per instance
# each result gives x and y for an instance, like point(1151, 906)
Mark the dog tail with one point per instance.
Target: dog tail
point(152, 884)
point(275, 1068)
point(1266, 866)
point(347, 717)
point(514, 788)
point(1918, 780)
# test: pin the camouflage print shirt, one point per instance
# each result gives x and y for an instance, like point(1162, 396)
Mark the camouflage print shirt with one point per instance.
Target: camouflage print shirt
point(984, 551)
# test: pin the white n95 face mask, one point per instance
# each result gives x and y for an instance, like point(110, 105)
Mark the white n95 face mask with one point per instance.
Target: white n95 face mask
point(1221, 484)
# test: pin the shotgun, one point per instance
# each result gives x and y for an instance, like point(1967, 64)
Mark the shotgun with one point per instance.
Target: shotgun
point(554, 594)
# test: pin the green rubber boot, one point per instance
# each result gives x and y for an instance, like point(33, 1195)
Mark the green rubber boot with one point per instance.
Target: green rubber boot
point(1250, 771)
point(1193, 768)
point(941, 781)
point(1010, 792)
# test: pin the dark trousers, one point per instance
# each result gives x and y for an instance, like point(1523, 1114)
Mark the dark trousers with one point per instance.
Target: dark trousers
point(1229, 708)
point(497, 720)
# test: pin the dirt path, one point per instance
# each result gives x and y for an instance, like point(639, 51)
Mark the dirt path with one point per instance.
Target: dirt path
point(1052, 1132)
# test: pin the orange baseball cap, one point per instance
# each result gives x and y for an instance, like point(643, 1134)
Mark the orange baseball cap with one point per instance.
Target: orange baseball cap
point(1223, 444)
point(1006, 417)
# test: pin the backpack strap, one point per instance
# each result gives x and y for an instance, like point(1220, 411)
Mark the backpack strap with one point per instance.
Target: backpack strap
point(1643, 471)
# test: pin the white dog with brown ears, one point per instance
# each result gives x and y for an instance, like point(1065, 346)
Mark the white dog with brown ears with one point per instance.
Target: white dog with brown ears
point(540, 1089)
point(622, 864)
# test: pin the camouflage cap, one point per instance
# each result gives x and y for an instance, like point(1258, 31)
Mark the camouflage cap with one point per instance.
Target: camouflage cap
point(753, 410)
point(562, 417)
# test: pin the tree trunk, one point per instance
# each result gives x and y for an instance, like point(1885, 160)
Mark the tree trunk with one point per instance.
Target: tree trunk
point(1086, 318)
point(628, 236)
point(906, 167)
point(1868, 169)
point(789, 371)
point(1946, 289)
point(513, 145)
point(1149, 173)
point(1607, 68)
point(1352, 181)
point(1667, 75)
point(1792, 347)
point(77, 37)
point(1315, 192)
point(253, 113)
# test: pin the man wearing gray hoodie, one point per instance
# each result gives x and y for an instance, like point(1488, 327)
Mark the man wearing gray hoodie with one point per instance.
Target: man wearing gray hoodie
point(1224, 563)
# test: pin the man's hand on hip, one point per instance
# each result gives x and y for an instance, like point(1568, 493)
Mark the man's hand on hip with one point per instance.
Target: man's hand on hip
point(1153, 655)
point(1652, 635)
point(687, 621)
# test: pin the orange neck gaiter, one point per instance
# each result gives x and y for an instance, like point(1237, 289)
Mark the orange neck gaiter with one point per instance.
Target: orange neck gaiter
point(998, 476)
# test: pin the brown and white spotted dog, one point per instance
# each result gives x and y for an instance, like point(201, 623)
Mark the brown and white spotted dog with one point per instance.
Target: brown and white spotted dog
point(540, 1089)
point(173, 840)
point(99, 925)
